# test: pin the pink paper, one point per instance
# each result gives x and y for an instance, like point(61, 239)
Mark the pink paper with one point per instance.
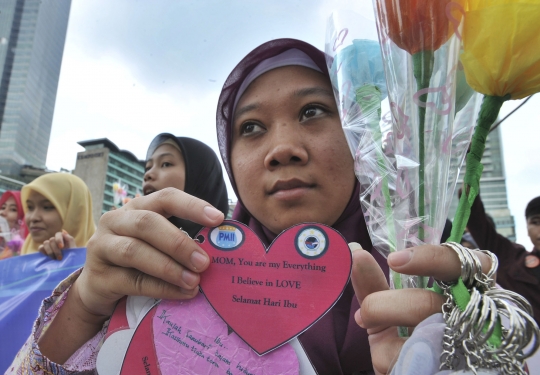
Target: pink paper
point(190, 338)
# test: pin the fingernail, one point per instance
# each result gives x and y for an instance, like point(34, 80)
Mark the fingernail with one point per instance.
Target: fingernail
point(189, 277)
point(212, 213)
point(189, 292)
point(354, 246)
point(399, 258)
point(358, 319)
point(198, 260)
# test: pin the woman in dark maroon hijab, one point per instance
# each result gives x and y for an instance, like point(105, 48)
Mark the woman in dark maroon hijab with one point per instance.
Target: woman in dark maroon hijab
point(335, 344)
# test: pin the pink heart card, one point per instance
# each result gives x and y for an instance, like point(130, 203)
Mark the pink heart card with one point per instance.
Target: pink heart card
point(269, 296)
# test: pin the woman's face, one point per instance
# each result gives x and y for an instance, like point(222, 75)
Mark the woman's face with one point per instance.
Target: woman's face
point(42, 218)
point(10, 212)
point(165, 168)
point(289, 156)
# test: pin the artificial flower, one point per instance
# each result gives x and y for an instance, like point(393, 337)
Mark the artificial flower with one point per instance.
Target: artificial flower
point(501, 40)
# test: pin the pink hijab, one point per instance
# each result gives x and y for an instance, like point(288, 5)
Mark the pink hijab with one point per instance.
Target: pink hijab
point(335, 344)
point(23, 230)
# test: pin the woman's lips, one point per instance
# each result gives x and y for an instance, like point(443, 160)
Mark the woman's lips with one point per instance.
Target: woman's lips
point(291, 194)
point(36, 229)
point(290, 189)
point(148, 189)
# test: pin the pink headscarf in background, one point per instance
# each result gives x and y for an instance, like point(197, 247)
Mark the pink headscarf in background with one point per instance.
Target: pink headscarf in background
point(23, 230)
point(335, 344)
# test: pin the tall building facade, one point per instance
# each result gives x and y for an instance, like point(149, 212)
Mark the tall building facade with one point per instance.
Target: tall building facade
point(32, 38)
point(493, 186)
point(101, 165)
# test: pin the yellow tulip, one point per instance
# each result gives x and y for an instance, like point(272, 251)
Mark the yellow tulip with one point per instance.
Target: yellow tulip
point(501, 42)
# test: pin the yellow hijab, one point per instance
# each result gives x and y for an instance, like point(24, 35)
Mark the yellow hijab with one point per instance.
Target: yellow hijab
point(71, 198)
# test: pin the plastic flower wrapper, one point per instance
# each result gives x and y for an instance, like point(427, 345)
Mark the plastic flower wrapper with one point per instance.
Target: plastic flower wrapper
point(501, 40)
point(359, 84)
point(119, 193)
point(420, 44)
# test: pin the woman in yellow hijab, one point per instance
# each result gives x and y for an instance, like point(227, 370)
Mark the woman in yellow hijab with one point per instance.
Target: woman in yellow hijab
point(58, 213)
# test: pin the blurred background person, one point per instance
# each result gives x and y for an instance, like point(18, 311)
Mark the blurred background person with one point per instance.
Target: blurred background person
point(58, 214)
point(188, 165)
point(11, 210)
point(519, 269)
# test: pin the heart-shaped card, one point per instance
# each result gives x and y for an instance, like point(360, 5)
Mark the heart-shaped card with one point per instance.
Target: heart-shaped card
point(269, 296)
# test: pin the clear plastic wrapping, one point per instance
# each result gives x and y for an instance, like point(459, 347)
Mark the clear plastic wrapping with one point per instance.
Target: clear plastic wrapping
point(409, 132)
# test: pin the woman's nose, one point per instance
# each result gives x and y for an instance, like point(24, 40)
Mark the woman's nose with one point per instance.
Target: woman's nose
point(148, 175)
point(286, 147)
point(32, 216)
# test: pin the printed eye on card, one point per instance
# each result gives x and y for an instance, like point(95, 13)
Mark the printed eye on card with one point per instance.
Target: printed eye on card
point(269, 296)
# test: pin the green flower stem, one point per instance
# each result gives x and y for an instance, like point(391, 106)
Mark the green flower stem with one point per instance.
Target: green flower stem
point(423, 62)
point(488, 114)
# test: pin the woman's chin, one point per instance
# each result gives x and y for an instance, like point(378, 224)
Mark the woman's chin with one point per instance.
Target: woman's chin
point(292, 218)
point(39, 238)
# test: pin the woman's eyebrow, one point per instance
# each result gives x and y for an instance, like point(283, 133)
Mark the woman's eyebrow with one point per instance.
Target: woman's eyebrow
point(313, 91)
point(247, 108)
point(161, 156)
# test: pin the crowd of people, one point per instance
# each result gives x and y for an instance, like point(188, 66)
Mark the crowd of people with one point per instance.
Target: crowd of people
point(288, 161)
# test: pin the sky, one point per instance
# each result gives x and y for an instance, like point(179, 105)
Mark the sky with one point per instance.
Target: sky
point(133, 69)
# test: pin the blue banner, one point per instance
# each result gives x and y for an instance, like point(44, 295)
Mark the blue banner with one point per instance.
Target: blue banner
point(25, 281)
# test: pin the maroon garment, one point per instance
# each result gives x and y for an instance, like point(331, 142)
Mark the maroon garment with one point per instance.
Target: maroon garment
point(335, 344)
point(512, 274)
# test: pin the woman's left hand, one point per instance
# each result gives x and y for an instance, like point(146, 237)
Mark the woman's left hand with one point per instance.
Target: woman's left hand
point(53, 247)
point(383, 310)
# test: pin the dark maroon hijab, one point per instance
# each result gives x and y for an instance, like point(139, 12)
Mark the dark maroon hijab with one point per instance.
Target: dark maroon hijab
point(335, 344)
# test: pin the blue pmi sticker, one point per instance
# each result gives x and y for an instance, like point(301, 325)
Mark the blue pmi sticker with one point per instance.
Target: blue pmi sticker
point(226, 237)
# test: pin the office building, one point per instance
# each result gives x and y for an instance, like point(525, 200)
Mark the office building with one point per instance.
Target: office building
point(492, 187)
point(32, 37)
point(7, 183)
point(101, 165)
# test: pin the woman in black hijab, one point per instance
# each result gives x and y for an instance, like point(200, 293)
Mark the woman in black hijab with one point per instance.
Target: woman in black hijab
point(189, 165)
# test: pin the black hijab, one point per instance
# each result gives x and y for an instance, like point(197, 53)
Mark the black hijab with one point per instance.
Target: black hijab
point(204, 178)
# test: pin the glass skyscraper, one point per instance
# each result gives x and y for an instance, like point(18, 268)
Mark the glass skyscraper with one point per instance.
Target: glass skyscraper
point(493, 186)
point(32, 37)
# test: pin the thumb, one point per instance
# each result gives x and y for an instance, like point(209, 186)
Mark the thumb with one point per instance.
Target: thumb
point(367, 277)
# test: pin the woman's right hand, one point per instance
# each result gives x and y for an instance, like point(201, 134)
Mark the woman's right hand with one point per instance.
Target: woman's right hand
point(137, 251)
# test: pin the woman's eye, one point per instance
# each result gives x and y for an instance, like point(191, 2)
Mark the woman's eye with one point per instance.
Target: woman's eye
point(166, 164)
point(251, 128)
point(311, 112)
point(48, 208)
